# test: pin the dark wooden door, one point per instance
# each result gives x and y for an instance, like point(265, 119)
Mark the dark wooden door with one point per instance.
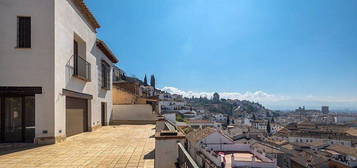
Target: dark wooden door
point(13, 119)
point(17, 118)
point(104, 112)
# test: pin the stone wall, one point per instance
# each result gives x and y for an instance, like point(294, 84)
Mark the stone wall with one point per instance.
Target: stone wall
point(122, 97)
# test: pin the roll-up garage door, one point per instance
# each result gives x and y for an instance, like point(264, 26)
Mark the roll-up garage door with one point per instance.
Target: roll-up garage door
point(76, 116)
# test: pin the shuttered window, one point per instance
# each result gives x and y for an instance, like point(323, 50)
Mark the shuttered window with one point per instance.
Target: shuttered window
point(24, 32)
point(105, 75)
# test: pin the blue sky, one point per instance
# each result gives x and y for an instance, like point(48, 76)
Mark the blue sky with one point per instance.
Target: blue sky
point(299, 52)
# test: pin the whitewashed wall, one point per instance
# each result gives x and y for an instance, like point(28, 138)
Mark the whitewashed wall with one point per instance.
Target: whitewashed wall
point(133, 112)
point(327, 141)
point(70, 23)
point(54, 25)
point(166, 152)
point(34, 66)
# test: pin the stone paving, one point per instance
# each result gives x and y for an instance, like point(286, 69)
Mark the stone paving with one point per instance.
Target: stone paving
point(111, 146)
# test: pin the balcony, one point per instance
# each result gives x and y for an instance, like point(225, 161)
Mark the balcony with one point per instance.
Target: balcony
point(82, 69)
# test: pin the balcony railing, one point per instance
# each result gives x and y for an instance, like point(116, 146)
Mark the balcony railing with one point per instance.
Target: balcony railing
point(184, 159)
point(82, 68)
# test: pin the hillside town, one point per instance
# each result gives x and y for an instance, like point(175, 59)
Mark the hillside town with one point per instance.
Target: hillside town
point(66, 102)
point(246, 134)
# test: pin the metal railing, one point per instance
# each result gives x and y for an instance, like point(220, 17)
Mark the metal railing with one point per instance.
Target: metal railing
point(184, 159)
point(82, 68)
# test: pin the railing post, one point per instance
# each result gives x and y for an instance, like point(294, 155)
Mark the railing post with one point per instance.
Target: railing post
point(82, 68)
point(185, 160)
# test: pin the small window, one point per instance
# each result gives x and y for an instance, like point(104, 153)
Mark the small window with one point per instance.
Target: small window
point(105, 75)
point(23, 32)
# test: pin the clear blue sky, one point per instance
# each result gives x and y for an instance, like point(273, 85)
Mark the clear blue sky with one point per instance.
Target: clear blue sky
point(291, 48)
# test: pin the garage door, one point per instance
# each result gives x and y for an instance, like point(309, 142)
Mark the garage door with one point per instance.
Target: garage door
point(76, 116)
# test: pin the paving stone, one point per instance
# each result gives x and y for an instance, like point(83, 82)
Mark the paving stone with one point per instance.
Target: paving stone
point(111, 146)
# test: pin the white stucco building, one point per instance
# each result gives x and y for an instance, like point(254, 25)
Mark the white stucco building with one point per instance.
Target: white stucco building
point(262, 125)
point(220, 118)
point(171, 102)
point(55, 75)
point(199, 124)
point(210, 148)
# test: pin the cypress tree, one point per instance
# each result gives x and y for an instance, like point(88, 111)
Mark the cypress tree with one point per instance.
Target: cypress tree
point(152, 81)
point(145, 81)
point(268, 127)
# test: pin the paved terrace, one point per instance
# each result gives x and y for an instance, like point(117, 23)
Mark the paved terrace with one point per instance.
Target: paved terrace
point(111, 146)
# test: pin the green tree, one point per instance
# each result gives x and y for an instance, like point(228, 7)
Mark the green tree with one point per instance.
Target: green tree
point(268, 127)
point(145, 81)
point(215, 97)
point(152, 81)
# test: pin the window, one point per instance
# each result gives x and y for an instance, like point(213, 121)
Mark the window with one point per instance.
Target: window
point(105, 75)
point(24, 32)
point(75, 56)
point(82, 68)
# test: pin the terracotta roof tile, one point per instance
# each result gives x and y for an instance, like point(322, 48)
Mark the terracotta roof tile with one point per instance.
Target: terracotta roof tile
point(343, 149)
point(197, 135)
point(82, 7)
point(107, 52)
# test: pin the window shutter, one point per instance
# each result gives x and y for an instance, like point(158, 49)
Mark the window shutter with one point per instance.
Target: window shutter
point(108, 77)
point(105, 75)
point(24, 32)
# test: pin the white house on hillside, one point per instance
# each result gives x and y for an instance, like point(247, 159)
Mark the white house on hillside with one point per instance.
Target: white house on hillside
point(211, 148)
point(55, 76)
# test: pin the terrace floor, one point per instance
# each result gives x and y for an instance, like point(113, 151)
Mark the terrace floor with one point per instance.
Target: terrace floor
point(111, 146)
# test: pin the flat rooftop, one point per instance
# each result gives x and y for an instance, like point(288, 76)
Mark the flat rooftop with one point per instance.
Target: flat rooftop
point(110, 146)
point(242, 156)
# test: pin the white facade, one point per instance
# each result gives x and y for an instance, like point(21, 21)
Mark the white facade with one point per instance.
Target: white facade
point(215, 143)
point(30, 67)
point(294, 139)
point(220, 118)
point(171, 102)
point(55, 24)
point(199, 124)
point(262, 125)
point(246, 121)
point(299, 139)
